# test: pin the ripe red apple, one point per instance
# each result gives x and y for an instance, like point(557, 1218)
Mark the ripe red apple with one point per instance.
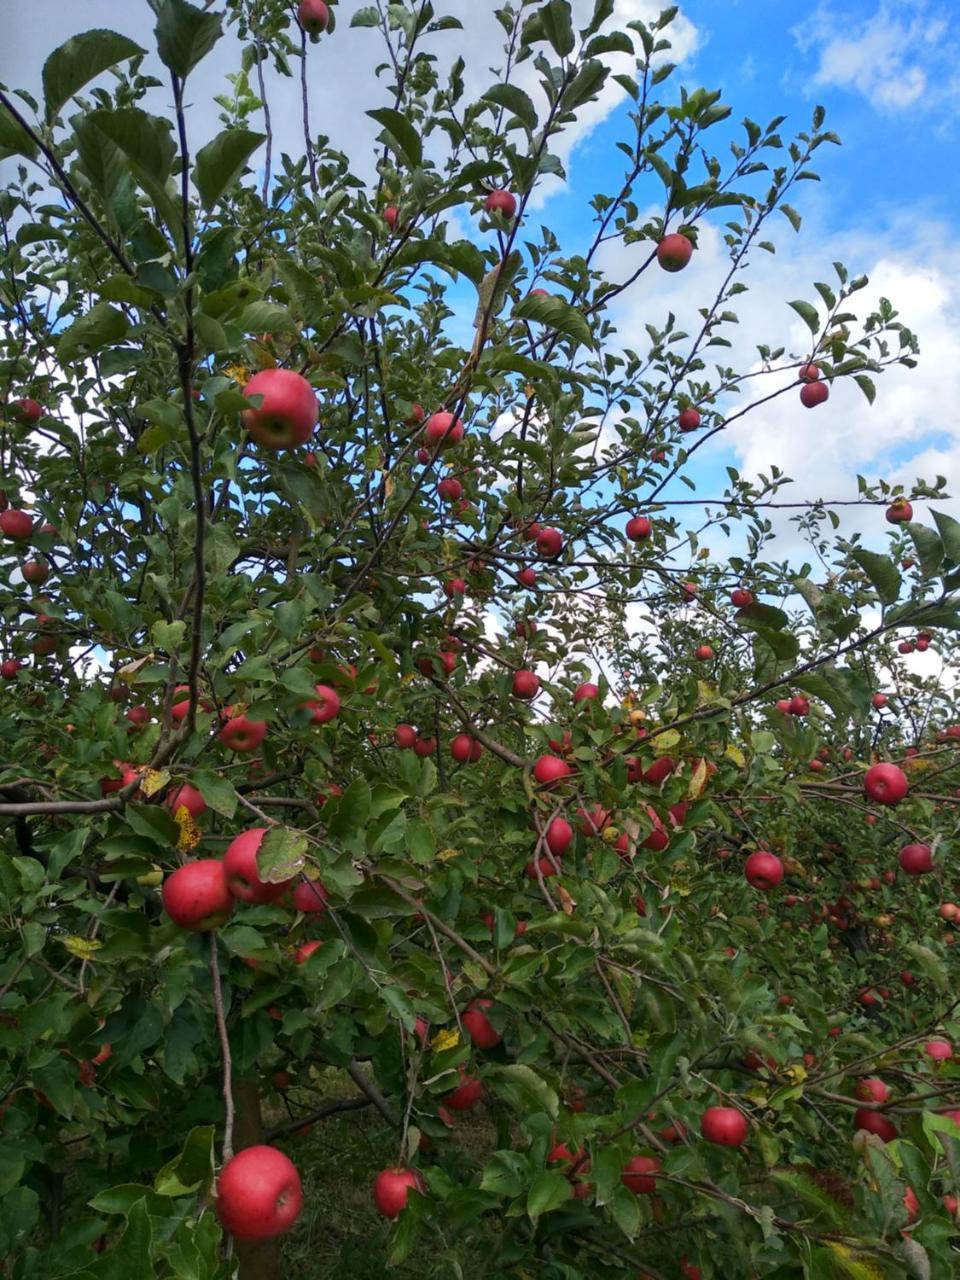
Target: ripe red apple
point(314, 16)
point(911, 1204)
point(814, 393)
point(527, 577)
point(405, 736)
point(478, 1026)
point(799, 705)
point(289, 411)
point(726, 1126)
point(465, 750)
point(674, 252)
point(306, 950)
point(688, 420)
point(659, 771)
point(586, 692)
point(138, 716)
point(443, 429)
point(526, 684)
point(808, 373)
point(391, 1188)
point(938, 1050)
point(550, 543)
point(258, 1192)
point(639, 1174)
point(425, 747)
point(546, 868)
point(391, 215)
point(196, 896)
point(870, 1121)
point(885, 783)
point(689, 1270)
point(450, 489)
point(326, 707)
point(899, 511)
point(9, 668)
point(243, 876)
point(454, 587)
point(16, 524)
point(703, 653)
point(467, 1093)
point(27, 411)
point(906, 646)
point(916, 859)
point(872, 1090)
point(241, 734)
point(879, 700)
point(310, 897)
point(593, 821)
point(548, 769)
point(501, 202)
point(740, 597)
point(638, 528)
point(36, 572)
point(763, 870)
point(186, 797)
point(558, 836)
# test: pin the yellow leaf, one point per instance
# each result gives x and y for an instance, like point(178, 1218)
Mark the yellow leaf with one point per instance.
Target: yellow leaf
point(736, 755)
point(796, 1073)
point(389, 485)
point(153, 780)
point(189, 836)
point(239, 373)
point(706, 692)
point(698, 781)
point(665, 742)
point(130, 670)
point(446, 854)
point(446, 1039)
point(566, 902)
point(82, 948)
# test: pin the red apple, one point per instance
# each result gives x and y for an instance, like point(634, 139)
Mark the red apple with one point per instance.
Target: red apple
point(258, 1192)
point(443, 429)
point(391, 216)
point(526, 684)
point(326, 707)
point(501, 202)
point(899, 511)
point(638, 528)
point(558, 836)
point(310, 897)
point(659, 771)
point(872, 1090)
point(549, 769)
point(450, 489)
point(550, 543)
point(885, 783)
point(241, 734)
point(314, 16)
point(289, 411)
point(688, 420)
point(593, 821)
point(808, 373)
point(703, 653)
point(938, 1050)
point(879, 700)
point(916, 859)
point(726, 1126)
point(196, 896)
point(16, 524)
point(674, 252)
point(763, 870)
point(425, 747)
point(870, 1121)
point(306, 950)
point(454, 587)
point(586, 692)
point(26, 411)
point(243, 875)
point(36, 572)
point(405, 736)
point(741, 598)
point(527, 577)
point(186, 797)
point(799, 705)
point(391, 1188)
point(9, 668)
point(639, 1174)
point(465, 750)
point(467, 1093)
point(814, 393)
point(478, 1026)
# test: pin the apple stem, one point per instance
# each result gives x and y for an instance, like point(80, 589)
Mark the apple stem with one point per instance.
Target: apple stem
point(224, 1050)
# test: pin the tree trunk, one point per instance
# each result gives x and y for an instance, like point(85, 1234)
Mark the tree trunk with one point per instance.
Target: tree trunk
point(259, 1259)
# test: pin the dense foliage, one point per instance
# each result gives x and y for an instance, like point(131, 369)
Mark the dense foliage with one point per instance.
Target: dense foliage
point(586, 798)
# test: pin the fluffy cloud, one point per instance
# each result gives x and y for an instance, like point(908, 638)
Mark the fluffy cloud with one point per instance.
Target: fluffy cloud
point(898, 57)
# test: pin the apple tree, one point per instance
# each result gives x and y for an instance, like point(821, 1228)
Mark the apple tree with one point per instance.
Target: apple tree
point(383, 702)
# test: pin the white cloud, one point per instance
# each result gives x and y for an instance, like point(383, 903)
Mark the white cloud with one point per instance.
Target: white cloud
point(899, 57)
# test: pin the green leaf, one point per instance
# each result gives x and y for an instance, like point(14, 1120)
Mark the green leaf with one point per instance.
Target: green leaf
point(192, 1168)
point(81, 59)
point(525, 1090)
point(265, 317)
point(949, 534)
point(755, 616)
point(866, 385)
point(168, 635)
point(220, 162)
point(930, 964)
point(222, 548)
point(144, 139)
point(515, 100)
point(218, 792)
point(557, 22)
point(808, 314)
point(824, 1208)
point(928, 546)
point(352, 810)
point(585, 85)
point(557, 314)
point(792, 216)
point(549, 1191)
point(102, 326)
point(185, 34)
point(883, 574)
point(14, 141)
point(400, 133)
point(365, 17)
point(281, 855)
point(421, 842)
